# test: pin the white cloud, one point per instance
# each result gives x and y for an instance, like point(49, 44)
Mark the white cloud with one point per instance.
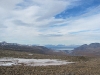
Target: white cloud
point(34, 22)
point(9, 4)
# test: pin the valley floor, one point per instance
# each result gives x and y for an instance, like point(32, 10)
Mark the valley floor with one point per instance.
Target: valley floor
point(83, 65)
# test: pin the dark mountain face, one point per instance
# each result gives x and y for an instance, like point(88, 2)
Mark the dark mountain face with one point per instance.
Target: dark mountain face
point(83, 47)
point(27, 48)
point(94, 45)
point(92, 49)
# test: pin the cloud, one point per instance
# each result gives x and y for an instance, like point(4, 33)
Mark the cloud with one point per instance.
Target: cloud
point(19, 22)
point(2, 26)
point(8, 5)
point(51, 35)
point(33, 21)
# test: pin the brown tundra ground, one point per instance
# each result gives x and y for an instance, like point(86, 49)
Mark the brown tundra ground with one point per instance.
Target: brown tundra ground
point(82, 66)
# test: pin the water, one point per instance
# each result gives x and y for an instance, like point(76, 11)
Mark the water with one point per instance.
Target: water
point(64, 48)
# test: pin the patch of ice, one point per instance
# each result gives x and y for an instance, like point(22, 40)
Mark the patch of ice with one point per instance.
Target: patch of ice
point(7, 64)
point(31, 62)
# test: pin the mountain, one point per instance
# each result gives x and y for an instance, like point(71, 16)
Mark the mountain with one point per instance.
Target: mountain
point(28, 48)
point(62, 47)
point(92, 49)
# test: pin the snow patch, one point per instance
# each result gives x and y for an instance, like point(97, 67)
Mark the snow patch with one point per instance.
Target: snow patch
point(31, 62)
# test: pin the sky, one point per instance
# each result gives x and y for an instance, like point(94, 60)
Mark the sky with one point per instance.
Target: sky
point(50, 21)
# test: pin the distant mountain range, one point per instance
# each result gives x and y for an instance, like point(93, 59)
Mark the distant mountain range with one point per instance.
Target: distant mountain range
point(92, 49)
point(62, 47)
point(29, 48)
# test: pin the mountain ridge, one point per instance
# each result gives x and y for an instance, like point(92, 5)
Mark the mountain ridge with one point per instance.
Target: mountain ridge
point(92, 49)
point(29, 48)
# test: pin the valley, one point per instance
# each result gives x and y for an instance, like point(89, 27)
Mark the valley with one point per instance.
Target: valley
point(19, 62)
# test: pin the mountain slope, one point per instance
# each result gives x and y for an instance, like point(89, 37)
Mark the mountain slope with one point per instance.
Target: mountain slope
point(27, 48)
point(92, 49)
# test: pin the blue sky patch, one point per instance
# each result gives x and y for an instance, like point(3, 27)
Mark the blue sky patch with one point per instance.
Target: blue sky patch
point(78, 10)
